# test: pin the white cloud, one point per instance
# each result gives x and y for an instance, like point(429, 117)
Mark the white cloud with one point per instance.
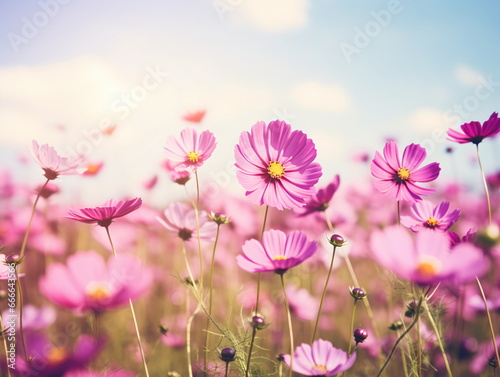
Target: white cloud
point(273, 15)
point(468, 76)
point(325, 97)
point(426, 119)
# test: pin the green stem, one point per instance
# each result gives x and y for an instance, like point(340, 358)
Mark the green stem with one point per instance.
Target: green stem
point(197, 219)
point(395, 346)
point(352, 327)
point(290, 330)
point(21, 329)
point(210, 300)
point(257, 297)
point(137, 333)
point(2, 331)
point(485, 184)
point(25, 239)
point(490, 323)
point(355, 280)
point(324, 294)
point(254, 332)
point(438, 337)
point(188, 337)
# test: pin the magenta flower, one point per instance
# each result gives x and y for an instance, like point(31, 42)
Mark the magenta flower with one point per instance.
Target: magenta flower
point(105, 214)
point(397, 179)
point(425, 216)
point(88, 283)
point(55, 360)
point(427, 259)
point(275, 165)
point(320, 359)
point(474, 132)
point(181, 218)
point(190, 150)
point(277, 252)
point(320, 201)
point(52, 164)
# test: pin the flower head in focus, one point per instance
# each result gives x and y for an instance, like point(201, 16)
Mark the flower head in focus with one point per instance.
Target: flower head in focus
point(425, 216)
point(398, 178)
point(51, 163)
point(105, 214)
point(474, 132)
point(276, 165)
point(190, 151)
point(278, 252)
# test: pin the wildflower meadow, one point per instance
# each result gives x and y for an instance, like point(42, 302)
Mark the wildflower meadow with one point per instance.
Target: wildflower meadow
point(302, 275)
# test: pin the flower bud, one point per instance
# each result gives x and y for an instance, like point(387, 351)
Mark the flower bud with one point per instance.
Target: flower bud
point(337, 240)
point(360, 335)
point(219, 218)
point(227, 354)
point(493, 362)
point(412, 309)
point(258, 323)
point(163, 329)
point(14, 259)
point(358, 293)
point(398, 325)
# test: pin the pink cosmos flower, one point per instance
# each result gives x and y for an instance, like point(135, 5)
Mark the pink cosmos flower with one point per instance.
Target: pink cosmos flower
point(88, 283)
point(320, 359)
point(474, 132)
point(275, 165)
point(105, 214)
point(425, 216)
point(429, 258)
point(56, 360)
point(52, 164)
point(397, 178)
point(319, 202)
point(177, 175)
point(190, 150)
point(181, 218)
point(277, 252)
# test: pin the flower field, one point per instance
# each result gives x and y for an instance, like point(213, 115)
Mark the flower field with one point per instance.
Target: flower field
point(301, 276)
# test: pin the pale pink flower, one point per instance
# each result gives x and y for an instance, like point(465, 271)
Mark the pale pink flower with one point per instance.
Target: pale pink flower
point(87, 283)
point(190, 150)
point(181, 218)
point(52, 164)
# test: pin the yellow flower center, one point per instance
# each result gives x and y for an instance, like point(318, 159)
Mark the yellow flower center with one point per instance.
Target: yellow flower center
point(192, 156)
point(403, 174)
point(279, 257)
point(428, 267)
point(432, 222)
point(98, 291)
point(319, 368)
point(276, 169)
point(56, 356)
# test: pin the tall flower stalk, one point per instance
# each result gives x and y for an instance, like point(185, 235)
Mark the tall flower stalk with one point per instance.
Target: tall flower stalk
point(475, 132)
point(335, 240)
point(290, 329)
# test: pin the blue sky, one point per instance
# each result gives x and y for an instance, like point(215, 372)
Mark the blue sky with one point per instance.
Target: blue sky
point(419, 68)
